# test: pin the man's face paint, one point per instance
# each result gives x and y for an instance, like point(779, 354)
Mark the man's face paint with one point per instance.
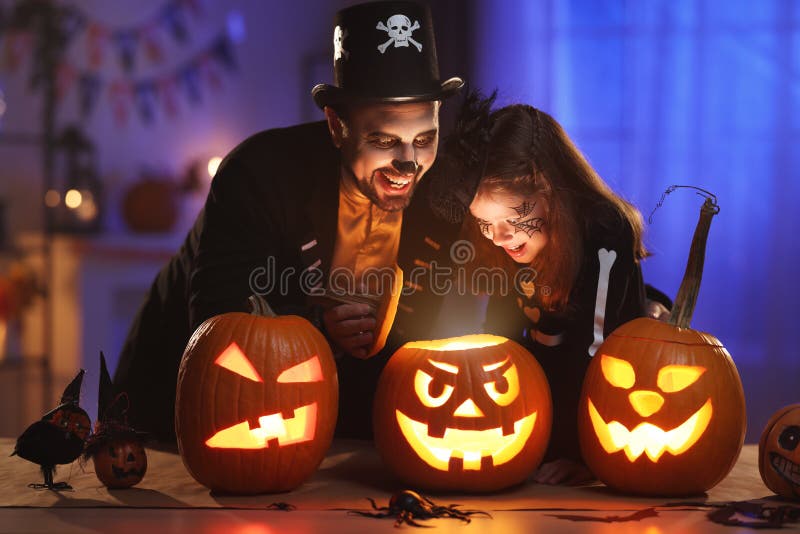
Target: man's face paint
point(387, 148)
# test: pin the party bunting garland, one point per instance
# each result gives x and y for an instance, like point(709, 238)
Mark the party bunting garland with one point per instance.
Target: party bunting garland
point(171, 18)
point(144, 96)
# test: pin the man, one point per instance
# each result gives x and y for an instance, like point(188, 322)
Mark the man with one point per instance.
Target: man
point(289, 206)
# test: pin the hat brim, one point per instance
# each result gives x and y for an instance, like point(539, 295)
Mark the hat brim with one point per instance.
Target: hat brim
point(330, 95)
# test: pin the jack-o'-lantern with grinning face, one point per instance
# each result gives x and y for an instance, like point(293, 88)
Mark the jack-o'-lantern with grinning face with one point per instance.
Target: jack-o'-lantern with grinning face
point(779, 452)
point(256, 402)
point(662, 412)
point(662, 408)
point(465, 414)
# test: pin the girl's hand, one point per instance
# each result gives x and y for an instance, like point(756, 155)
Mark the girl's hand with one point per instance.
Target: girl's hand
point(563, 472)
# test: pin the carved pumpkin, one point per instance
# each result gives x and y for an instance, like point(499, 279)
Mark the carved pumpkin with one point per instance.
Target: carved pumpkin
point(116, 449)
point(662, 409)
point(467, 414)
point(779, 452)
point(256, 402)
point(120, 463)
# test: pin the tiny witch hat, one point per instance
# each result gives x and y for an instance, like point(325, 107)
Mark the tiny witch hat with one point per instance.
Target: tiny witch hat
point(384, 52)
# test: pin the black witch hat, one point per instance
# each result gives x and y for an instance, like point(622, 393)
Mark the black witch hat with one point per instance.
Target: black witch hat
point(72, 393)
point(112, 418)
point(385, 52)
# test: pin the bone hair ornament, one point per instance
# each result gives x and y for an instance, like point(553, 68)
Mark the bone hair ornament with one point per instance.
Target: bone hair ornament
point(399, 28)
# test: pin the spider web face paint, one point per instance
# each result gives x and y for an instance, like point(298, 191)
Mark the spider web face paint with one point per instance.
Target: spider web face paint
point(524, 209)
point(529, 226)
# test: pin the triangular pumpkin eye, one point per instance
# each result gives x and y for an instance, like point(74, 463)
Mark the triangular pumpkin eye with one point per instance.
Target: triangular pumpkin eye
point(672, 378)
point(308, 371)
point(619, 373)
point(233, 359)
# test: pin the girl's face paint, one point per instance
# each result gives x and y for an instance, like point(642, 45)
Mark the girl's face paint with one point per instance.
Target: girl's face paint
point(514, 222)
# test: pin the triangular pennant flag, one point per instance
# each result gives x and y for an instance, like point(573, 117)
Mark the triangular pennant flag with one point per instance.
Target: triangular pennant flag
point(120, 95)
point(222, 51)
point(194, 6)
point(190, 80)
point(145, 95)
point(89, 86)
point(174, 19)
point(96, 40)
point(126, 42)
point(167, 92)
point(65, 79)
point(152, 46)
point(210, 73)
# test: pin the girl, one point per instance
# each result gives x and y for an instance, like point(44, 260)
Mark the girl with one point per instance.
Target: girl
point(538, 204)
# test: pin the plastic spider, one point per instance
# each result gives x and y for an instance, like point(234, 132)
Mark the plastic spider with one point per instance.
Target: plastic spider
point(282, 506)
point(409, 505)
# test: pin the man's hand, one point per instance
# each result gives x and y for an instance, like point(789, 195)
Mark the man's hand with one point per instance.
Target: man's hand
point(563, 472)
point(350, 327)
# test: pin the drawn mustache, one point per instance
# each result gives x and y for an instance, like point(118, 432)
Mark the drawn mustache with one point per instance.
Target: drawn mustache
point(404, 168)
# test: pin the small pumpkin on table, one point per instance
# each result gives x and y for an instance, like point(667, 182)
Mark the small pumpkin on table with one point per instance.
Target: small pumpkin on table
point(116, 449)
point(779, 452)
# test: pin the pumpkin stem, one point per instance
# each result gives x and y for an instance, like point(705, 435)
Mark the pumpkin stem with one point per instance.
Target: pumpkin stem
point(683, 308)
point(260, 306)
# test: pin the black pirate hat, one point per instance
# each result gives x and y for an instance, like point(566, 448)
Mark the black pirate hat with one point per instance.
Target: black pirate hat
point(384, 52)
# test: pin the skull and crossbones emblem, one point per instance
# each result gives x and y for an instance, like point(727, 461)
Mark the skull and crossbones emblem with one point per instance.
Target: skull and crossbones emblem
point(338, 44)
point(399, 28)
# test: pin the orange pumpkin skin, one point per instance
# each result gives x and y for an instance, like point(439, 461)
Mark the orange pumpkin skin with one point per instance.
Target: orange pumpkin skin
point(779, 452)
point(651, 347)
point(399, 397)
point(212, 398)
point(120, 463)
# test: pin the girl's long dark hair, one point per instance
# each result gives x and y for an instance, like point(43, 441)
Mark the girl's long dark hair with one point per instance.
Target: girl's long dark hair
point(530, 153)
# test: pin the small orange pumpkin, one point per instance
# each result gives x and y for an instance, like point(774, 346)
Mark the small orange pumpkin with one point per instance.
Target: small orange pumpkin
point(256, 401)
point(462, 414)
point(779, 452)
point(662, 409)
point(120, 463)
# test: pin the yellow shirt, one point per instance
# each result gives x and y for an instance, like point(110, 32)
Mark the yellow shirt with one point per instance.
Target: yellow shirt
point(367, 239)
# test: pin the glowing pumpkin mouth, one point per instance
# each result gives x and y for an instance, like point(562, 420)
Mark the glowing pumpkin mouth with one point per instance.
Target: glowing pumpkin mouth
point(288, 431)
point(786, 468)
point(120, 472)
point(472, 446)
point(646, 437)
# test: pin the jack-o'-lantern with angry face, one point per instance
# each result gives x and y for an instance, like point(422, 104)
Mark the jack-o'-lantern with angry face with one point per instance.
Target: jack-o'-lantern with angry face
point(779, 452)
point(465, 414)
point(256, 402)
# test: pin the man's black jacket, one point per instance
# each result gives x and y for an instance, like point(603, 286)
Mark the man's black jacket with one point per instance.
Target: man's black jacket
point(271, 215)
